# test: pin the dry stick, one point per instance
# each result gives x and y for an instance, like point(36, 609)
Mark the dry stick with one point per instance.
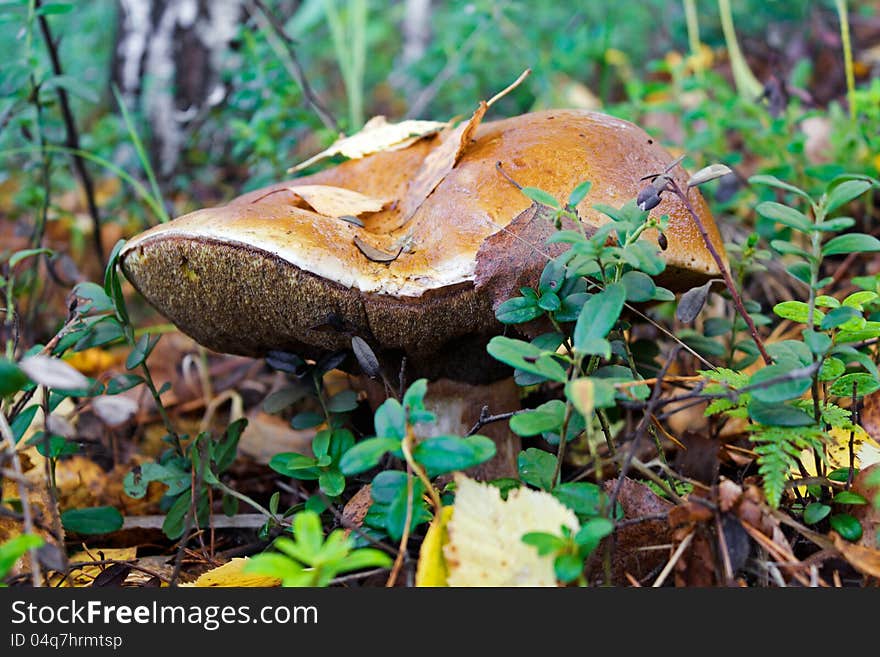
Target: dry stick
point(404, 539)
point(73, 137)
point(295, 69)
point(728, 281)
point(485, 419)
point(673, 560)
point(725, 552)
point(640, 429)
point(9, 439)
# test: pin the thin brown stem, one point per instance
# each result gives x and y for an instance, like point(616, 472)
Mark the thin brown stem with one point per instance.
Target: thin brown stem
point(719, 262)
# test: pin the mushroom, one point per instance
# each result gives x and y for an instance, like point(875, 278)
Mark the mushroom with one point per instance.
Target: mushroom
point(267, 272)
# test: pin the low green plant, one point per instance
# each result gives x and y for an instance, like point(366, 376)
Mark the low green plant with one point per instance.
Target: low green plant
point(310, 559)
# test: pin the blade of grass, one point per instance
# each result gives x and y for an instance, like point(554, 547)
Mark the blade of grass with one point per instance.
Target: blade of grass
point(142, 156)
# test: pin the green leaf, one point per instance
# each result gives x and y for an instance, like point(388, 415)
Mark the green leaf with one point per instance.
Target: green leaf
point(851, 243)
point(224, 451)
point(779, 415)
point(366, 454)
point(306, 420)
point(545, 543)
point(844, 193)
point(12, 550)
point(864, 383)
point(592, 532)
point(590, 393)
point(549, 302)
point(847, 526)
point(518, 310)
point(442, 454)
point(548, 417)
point(536, 467)
point(12, 379)
point(283, 397)
point(785, 215)
point(816, 512)
point(579, 193)
point(777, 392)
point(599, 315)
point(836, 225)
point(849, 497)
point(390, 420)
point(838, 317)
point(773, 181)
point(584, 498)
point(94, 520)
point(528, 358)
point(364, 558)
point(567, 567)
point(639, 286)
point(343, 402)
point(141, 350)
point(18, 256)
point(298, 466)
point(332, 482)
point(797, 311)
point(540, 196)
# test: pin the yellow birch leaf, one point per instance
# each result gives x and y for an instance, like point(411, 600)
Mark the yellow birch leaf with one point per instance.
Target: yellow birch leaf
point(431, 569)
point(485, 546)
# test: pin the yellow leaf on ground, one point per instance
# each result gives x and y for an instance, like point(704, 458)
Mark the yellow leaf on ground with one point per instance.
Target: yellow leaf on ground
point(93, 361)
point(432, 570)
point(866, 451)
point(485, 545)
point(232, 574)
point(376, 135)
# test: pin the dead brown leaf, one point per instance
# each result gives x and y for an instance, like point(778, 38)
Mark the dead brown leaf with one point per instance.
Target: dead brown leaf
point(439, 162)
point(864, 559)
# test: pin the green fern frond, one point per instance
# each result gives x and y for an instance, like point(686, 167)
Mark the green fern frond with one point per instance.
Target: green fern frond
point(727, 376)
point(778, 450)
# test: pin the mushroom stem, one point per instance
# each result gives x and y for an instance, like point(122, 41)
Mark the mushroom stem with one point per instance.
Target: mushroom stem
point(458, 407)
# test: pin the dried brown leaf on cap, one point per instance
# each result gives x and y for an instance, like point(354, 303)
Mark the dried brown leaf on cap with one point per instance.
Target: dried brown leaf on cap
point(439, 162)
point(376, 135)
point(332, 201)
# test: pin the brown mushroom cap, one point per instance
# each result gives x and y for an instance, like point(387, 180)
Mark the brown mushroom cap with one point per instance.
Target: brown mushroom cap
point(263, 274)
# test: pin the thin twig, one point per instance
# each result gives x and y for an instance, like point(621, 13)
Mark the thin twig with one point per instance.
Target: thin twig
point(73, 137)
point(673, 560)
point(485, 419)
point(641, 428)
point(292, 63)
point(719, 262)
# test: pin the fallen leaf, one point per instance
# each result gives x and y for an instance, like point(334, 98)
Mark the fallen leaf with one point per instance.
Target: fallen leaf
point(432, 569)
point(865, 448)
point(53, 373)
point(337, 201)
point(439, 162)
point(232, 574)
point(376, 135)
point(114, 410)
point(867, 484)
point(485, 545)
point(864, 559)
point(355, 510)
